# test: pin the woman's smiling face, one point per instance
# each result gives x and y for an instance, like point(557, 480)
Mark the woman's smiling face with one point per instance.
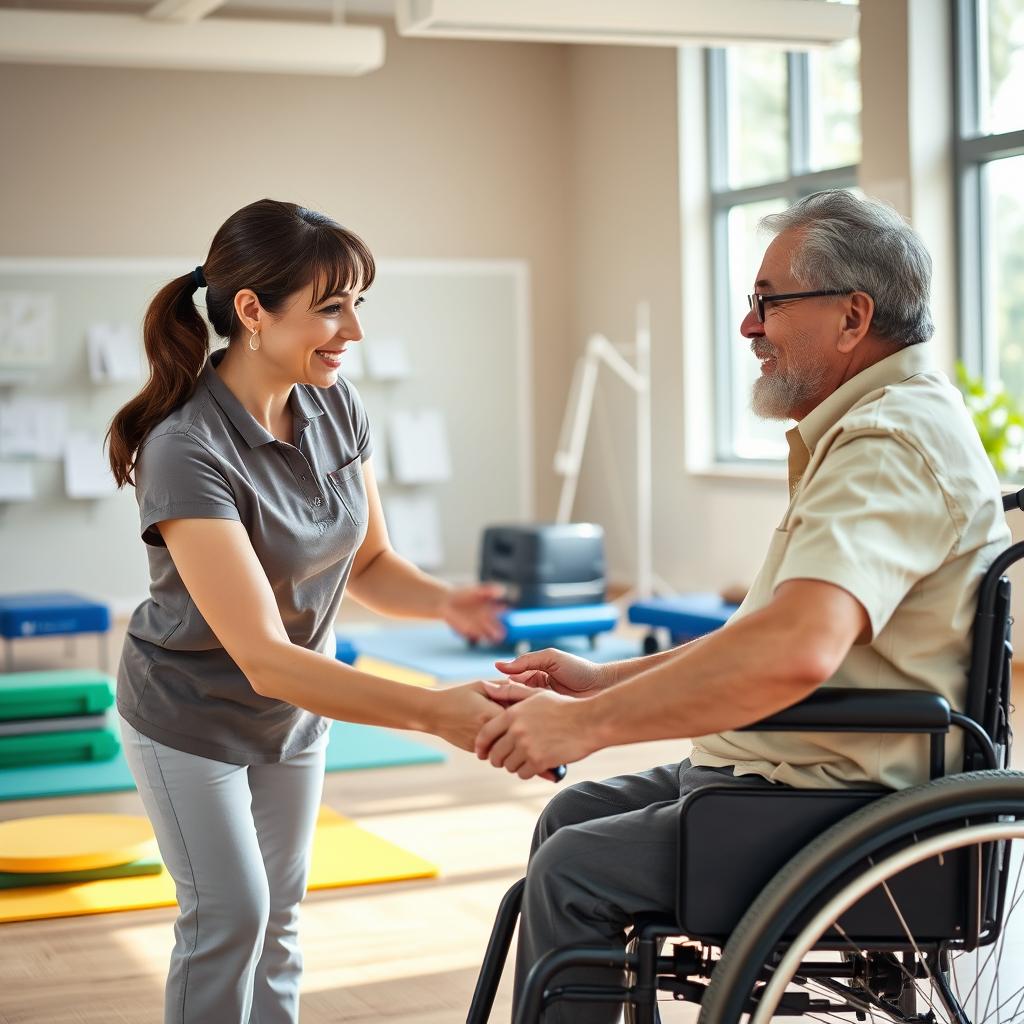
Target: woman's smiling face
point(306, 341)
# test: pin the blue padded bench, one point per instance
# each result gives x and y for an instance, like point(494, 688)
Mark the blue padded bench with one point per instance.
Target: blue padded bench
point(526, 628)
point(684, 617)
point(345, 651)
point(51, 614)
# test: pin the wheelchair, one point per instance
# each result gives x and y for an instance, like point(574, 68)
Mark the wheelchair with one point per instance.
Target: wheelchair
point(853, 904)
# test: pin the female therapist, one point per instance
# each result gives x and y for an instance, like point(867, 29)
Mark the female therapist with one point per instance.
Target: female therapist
point(258, 506)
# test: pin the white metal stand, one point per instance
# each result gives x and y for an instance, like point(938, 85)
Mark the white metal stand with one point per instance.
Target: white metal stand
point(569, 457)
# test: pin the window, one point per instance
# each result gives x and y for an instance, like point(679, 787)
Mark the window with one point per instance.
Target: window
point(990, 188)
point(781, 126)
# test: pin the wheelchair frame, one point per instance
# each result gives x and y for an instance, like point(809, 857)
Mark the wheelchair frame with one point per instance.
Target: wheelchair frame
point(867, 815)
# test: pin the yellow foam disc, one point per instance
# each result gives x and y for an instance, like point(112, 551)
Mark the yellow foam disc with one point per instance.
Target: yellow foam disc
point(74, 842)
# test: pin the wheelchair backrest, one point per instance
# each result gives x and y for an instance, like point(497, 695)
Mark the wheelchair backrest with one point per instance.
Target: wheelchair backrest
point(990, 673)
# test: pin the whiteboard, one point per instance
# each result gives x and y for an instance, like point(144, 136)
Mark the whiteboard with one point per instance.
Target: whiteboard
point(465, 327)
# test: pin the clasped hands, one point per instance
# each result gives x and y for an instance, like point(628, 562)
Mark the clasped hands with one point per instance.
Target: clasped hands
point(532, 720)
point(535, 719)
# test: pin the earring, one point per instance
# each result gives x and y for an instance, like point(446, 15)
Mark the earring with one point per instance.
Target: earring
point(255, 335)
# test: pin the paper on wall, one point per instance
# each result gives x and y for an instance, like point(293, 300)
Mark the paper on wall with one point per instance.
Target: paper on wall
point(32, 428)
point(414, 526)
point(113, 351)
point(16, 482)
point(27, 329)
point(386, 358)
point(86, 470)
point(419, 447)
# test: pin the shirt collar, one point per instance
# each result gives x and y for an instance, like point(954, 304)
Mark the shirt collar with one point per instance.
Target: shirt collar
point(804, 437)
point(303, 402)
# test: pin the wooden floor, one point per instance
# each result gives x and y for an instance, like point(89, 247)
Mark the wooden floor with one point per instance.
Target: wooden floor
point(407, 952)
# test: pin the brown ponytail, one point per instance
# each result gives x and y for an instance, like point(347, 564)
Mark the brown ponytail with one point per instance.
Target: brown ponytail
point(274, 248)
point(176, 341)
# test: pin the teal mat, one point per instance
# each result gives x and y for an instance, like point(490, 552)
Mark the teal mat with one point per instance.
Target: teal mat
point(351, 748)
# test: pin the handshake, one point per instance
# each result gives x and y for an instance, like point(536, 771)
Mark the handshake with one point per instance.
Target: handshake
point(539, 716)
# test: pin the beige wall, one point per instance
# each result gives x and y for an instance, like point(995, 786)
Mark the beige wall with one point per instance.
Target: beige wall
point(566, 156)
point(451, 150)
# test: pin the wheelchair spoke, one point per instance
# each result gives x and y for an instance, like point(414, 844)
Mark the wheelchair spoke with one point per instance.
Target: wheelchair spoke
point(1001, 944)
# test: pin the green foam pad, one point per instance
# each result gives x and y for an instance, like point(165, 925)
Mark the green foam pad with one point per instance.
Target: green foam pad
point(58, 748)
point(54, 694)
point(351, 748)
point(19, 879)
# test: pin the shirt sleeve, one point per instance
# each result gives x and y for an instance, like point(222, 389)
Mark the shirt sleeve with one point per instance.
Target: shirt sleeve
point(873, 520)
point(358, 418)
point(176, 477)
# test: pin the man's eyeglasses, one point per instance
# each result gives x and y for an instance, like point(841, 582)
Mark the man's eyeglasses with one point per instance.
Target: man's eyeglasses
point(757, 300)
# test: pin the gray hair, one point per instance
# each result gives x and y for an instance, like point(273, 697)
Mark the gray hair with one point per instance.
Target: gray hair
point(856, 244)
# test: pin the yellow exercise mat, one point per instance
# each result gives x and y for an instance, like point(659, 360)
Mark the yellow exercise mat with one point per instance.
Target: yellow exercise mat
point(343, 855)
point(74, 842)
point(396, 673)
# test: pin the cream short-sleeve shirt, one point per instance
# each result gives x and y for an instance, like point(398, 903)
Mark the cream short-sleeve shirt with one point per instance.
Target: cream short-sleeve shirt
point(894, 500)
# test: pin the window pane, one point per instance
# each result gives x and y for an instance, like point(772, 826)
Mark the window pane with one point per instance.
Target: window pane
point(752, 438)
point(835, 106)
point(758, 140)
point(1004, 301)
point(1001, 34)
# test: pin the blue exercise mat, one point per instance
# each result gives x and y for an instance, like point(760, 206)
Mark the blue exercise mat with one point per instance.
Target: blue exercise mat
point(351, 748)
point(438, 652)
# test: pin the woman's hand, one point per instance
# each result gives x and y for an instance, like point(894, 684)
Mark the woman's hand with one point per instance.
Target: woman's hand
point(473, 612)
point(460, 712)
point(556, 670)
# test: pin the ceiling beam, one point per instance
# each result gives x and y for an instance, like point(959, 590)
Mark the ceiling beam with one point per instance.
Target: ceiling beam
point(213, 44)
point(183, 10)
point(791, 24)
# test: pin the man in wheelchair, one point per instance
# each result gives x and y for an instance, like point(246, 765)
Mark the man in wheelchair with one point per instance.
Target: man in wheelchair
point(869, 583)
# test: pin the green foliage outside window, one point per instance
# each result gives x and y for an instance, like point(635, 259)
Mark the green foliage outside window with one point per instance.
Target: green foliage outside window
point(999, 420)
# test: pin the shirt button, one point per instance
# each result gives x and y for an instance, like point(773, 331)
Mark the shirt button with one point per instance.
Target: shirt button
point(318, 501)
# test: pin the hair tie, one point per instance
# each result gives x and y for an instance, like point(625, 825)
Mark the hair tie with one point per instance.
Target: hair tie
point(198, 277)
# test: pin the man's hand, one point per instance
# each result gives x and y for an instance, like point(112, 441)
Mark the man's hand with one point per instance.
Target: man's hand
point(555, 670)
point(473, 612)
point(536, 730)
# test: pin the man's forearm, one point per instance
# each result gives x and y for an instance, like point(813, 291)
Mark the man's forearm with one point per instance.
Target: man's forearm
point(723, 681)
point(622, 671)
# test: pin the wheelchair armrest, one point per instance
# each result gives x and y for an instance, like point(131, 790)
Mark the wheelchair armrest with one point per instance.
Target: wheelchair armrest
point(847, 710)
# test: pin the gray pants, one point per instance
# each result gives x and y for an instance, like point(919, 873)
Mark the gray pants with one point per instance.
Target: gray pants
point(237, 841)
point(604, 852)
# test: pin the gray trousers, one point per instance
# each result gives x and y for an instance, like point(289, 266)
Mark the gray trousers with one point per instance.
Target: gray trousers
point(604, 852)
point(237, 841)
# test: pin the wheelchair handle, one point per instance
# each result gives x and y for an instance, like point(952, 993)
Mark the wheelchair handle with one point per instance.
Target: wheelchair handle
point(559, 772)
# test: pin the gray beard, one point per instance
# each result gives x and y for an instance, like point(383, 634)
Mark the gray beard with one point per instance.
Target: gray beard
point(775, 397)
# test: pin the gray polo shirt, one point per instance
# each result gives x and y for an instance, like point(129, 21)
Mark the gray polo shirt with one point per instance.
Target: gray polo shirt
point(305, 510)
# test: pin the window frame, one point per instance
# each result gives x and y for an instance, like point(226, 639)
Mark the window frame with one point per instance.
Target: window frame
point(977, 343)
point(801, 181)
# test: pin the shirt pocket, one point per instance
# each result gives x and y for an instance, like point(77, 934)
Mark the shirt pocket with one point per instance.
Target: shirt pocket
point(348, 484)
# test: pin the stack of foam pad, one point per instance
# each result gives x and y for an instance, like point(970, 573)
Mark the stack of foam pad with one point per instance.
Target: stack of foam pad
point(55, 717)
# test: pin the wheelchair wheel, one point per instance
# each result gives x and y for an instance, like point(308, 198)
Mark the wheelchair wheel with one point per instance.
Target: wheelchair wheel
point(914, 976)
